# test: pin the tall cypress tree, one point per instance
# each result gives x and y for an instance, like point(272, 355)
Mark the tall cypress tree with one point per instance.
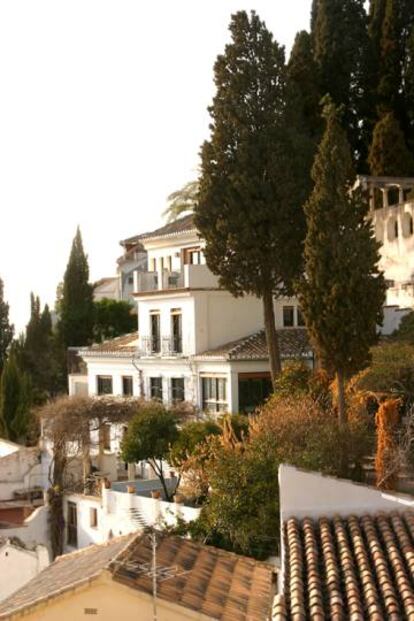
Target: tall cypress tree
point(15, 400)
point(6, 328)
point(76, 306)
point(254, 173)
point(342, 292)
point(304, 75)
point(341, 48)
point(39, 353)
point(389, 154)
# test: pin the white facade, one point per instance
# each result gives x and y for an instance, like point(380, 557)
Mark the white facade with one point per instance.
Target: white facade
point(22, 468)
point(182, 314)
point(18, 565)
point(119, 513)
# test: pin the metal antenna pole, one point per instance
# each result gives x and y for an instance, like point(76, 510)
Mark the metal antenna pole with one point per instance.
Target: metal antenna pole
point(154, 574)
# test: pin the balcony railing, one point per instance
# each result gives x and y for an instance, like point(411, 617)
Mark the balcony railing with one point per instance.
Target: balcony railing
point(166, 346)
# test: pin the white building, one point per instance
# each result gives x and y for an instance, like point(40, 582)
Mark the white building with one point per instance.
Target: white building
point(195, 341)
point(19, 564)
point(392, 214)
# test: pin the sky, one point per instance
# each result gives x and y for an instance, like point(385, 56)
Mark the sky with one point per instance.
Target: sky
point(103, 108)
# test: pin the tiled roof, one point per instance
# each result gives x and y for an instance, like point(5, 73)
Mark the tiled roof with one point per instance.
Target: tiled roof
point(354, 568)
point(172, 228)
point(67, 572)
point(218, 584)
point(293, 342)
point(120, 346)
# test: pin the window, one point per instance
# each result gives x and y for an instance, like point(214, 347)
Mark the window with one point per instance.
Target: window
point(127, 386)
point(176, 331)
point(130, 280)
point(93, 517)
point(214, 391)
point(156, 388)
point(72, 525)
point(152, 265)
point(155, 331)
point(177, 389)
point(104, 384)
point(288, 316)
point(301, 318)
point(254, 389)
point(105, 436)
point(395, 229)
point(169, 264)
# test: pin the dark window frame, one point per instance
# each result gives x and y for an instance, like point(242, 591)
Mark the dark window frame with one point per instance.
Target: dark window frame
point(155, 327)
point(72, 524)
point(100, 385)
point(214, 394)
point(177, 331)
point(127, 379)
point(288, 316)
point(177, 391)
point(156, 388)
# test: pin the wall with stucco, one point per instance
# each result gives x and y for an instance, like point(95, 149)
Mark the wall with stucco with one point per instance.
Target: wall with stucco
point(111, 601)
point(19, 565)
point(34, 530)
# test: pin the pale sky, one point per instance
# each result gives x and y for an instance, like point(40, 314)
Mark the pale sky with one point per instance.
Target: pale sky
point(102, 113)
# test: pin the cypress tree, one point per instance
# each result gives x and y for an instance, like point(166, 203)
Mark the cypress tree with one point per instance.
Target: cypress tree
point(303, 73)
point(39, 352)
point(342, 292)
point(341, 48)
point(76, 305)
point(254, 173)
point(389, 154)
point(6, 328)
point(15, 400)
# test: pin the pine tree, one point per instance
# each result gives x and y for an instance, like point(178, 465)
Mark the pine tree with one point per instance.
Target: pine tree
point(409, 90)
point(342, 292)
point(6, 328)
point(303, 73)
point(341, 48)
point(15, 400)
point(254, 173)
point(76, 305)
point(389, 154)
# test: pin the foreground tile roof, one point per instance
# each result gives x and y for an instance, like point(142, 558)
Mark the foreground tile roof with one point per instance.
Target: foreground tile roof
point(353, 568)
point(293, 343)
point(121, 346)
point(171, 229)
point(218, 584)
point(67, 572)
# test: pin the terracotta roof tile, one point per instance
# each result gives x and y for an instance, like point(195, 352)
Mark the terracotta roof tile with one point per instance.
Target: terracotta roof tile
point(349, 568)
point(293, 343)
point(218, 584)
point(121, 346)
point(172, 228)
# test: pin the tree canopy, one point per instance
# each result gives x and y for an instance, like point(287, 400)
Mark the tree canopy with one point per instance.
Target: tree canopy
point(6, 328)
point(254, 173)
point(342, 291)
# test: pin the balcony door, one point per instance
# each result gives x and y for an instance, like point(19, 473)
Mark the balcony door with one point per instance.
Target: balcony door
point(155, 325)
point(176, 331)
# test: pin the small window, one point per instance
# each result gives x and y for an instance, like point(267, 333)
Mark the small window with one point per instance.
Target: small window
point(93, 517)
point(288, 316)
point(214, 394)
point(301, 318)
point(156, 388)
point(130, 280)
point(127, 386)
point(72, 525)
point(177, 389)
point(104, 385)
point(155, 332)
point(176, 331)
point(105, 431)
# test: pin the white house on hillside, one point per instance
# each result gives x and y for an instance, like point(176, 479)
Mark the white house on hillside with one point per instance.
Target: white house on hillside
point(195, 341)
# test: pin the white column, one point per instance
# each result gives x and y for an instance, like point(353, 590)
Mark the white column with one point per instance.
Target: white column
point(233, 392)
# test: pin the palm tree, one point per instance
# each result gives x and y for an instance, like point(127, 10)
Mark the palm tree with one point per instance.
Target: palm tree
point(181, 201)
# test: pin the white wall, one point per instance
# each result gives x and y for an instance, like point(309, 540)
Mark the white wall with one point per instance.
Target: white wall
point(392, 319)
point(310, 494)
point(117, 368)
point(19, 565)
point(78, 384)
point(15, 469)
point(164, 305)
point(7, 447)
point(34, 530)
point(115, 518)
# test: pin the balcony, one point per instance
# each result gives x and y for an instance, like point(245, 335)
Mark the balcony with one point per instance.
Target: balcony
point(192, 277)
point(167, 346)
